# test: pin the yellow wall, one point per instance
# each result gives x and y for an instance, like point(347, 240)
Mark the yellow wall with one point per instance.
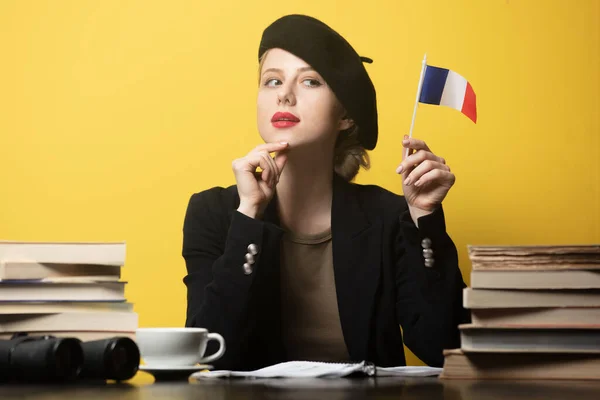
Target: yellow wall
point(112, 113)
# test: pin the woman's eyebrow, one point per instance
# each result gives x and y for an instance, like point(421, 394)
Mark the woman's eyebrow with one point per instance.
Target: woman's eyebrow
point(303, 69)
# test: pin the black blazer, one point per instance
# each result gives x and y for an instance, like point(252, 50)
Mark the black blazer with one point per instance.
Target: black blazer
point(381, 281)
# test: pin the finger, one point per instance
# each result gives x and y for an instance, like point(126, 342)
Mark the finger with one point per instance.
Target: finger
point(265, 188)
point(416, 144)
point(249, 163)
point(266, 173)
point(421, 155)
point(416, 158)
point(271, 147)
point(411, 162)
point(406, 151)
point(274, 168)
point(422, 169)
point(271, 169)
point(437, 176)
point(280, 160)
point(255, 160)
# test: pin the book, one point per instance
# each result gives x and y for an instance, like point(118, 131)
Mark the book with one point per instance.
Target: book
point(51, 291)
point(84, 336)
point(10, 270)
point(554, 257)
point(461, 365)
point(584, 250)
point(487, 389)
point(52, 307)
point(535, 316)
point(539, 279)
point(509, 298)
point(71, 321)
point(313, 369)
point(530, 339)
point(110, 253)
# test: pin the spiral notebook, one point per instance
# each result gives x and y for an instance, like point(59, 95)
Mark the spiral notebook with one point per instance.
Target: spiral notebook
point(312, 369)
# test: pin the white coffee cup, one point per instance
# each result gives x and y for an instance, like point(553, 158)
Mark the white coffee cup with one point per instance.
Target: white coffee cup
point(177, 346)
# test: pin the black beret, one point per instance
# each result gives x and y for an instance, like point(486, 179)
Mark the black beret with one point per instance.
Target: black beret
point(335, 60)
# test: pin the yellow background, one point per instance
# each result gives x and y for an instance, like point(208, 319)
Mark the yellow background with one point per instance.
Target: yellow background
point(112, 113)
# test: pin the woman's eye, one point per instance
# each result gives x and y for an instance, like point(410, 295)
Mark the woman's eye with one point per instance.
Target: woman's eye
point(272, 82)
point(311, 82)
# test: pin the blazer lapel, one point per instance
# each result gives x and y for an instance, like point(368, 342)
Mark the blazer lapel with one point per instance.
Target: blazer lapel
point(356, 260)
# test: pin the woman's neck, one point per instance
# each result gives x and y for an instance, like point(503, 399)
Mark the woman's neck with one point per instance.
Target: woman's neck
point(305, 191)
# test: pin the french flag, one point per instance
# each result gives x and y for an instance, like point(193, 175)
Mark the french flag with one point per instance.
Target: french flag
point(447, 88)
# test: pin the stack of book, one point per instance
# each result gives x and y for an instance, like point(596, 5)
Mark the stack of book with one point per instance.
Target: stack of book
point(64, 289)
point(535, 314)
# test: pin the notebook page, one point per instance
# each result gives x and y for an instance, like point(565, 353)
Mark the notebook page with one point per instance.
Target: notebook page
point(290, 369)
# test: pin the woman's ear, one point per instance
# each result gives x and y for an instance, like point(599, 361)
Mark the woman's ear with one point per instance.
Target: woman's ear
point(346, 123)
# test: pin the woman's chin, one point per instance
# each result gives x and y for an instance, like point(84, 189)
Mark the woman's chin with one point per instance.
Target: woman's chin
point(295, 138)
point(281, 135)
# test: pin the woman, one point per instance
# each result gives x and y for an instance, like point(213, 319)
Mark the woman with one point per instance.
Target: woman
point(297, 263)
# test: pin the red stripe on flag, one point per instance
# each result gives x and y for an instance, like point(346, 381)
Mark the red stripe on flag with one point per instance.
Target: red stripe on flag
point(469, 107)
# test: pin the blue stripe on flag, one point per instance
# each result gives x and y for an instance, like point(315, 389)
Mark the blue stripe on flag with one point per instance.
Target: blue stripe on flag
point(433, 85)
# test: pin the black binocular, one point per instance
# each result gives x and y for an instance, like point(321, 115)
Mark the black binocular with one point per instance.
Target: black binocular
point(26, 358)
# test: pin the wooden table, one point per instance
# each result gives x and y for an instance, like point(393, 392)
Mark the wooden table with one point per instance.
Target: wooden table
point(310, 389)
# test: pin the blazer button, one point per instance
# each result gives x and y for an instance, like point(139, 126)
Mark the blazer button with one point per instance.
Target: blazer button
point(427, 253)
point(249, 258)
point(426, 243)
point(247, 269)
point(253, 249)
point(429, 262)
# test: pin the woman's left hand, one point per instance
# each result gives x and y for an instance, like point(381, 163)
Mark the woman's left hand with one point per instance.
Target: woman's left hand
point(426, 177)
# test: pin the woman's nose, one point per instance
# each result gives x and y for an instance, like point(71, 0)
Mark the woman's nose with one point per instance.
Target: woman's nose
point(286, 95)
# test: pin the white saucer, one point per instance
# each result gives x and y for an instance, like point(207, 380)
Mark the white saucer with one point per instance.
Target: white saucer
point(171, 372)
point(192, 368)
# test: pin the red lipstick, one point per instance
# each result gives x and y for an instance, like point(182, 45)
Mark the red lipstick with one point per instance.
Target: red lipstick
point(284, 120)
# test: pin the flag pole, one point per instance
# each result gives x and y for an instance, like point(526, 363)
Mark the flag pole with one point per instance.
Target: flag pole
point(412, 124)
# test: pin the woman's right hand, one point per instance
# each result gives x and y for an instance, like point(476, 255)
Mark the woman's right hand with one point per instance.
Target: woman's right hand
point(257, 189)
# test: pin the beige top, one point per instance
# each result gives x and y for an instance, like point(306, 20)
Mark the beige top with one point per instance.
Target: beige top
point(311, 322)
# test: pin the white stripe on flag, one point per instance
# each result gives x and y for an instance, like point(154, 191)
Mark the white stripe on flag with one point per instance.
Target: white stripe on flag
point(454, 91)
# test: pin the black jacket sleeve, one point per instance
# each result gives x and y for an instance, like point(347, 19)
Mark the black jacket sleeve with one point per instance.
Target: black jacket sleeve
point(220, 295)
point(429, 300)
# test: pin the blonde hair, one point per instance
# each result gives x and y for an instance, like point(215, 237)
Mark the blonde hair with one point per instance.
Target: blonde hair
point(348, 154)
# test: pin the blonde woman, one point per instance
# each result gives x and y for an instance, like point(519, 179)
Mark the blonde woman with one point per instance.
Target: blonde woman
point(296, 262)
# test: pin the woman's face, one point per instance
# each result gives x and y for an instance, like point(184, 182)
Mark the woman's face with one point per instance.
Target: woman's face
point(295, 104)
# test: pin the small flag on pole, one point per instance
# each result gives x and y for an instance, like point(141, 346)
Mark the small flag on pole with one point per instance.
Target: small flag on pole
point(447, 88)
point(443, 87)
